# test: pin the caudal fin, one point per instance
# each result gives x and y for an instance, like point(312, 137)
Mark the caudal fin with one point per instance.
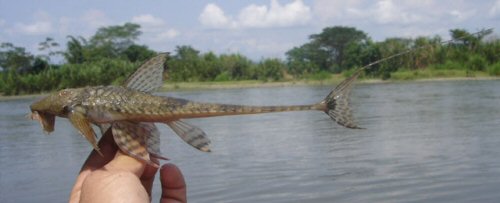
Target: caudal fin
point(336, 104)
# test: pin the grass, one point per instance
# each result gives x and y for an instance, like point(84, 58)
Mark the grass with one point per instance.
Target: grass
point(331, 79)
point(436, 74)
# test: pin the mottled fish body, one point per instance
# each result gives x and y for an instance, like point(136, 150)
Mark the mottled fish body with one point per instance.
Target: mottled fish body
point(131, 111)
point(106, 104)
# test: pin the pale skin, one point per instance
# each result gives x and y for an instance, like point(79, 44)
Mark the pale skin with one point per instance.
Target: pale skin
point(116, 177)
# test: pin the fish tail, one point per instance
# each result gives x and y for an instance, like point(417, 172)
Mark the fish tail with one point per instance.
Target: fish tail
point(336, 104)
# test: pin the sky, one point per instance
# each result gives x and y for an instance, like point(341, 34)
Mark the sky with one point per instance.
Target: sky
point(257, 29)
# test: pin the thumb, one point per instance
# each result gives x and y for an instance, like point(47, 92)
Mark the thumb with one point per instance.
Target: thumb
point(173, 186)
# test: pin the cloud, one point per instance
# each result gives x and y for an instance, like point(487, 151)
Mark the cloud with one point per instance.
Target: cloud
point(35, 28)
point(40, 26)
point(409, 18)
point(258, 16)
point(295, 13)
point(64, 24)
point(148, 20)
point(328, 9)
point(168, 34)
point(398, 13)
point(495, 10)
point(458, 15)
point(154, 28)
point(212, 16)
point(95, 19)
point(386, 12)
point(45, 24)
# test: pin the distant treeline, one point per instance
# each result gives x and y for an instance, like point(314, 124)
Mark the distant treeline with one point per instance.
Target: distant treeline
point(112, 54)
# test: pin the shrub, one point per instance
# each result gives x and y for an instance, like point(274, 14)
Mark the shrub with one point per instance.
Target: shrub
point(102, 72)
point(271, 69)
point(494, 70)
point(321, 75)
point(224, 76)
point(476, 63)
point(448, 65)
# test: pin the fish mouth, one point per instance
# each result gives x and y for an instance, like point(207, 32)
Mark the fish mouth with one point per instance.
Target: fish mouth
point(33, 116)
point(46, 120)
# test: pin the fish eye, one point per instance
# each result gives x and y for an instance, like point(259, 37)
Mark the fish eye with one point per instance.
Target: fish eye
point(65, 109)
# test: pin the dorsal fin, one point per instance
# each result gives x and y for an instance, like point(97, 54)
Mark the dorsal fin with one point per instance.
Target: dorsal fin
point(149, 76)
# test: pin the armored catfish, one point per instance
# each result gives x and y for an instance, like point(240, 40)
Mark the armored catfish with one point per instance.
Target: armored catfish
point(131, 111)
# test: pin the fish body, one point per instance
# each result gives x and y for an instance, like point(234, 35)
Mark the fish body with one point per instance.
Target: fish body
point(131, 111)
point(105, 104)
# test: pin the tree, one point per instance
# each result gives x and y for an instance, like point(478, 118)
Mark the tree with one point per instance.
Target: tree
point(39, 65)
point(392, 46)
point(108, 42)
point(116, 39)
point(361, 54)
point(237, 66)
point(307, 58)
point(468, 40)
point(186, 52)
point(271, 69)
point(74, 50)
point(49, 46)
point(335, 40)
point(491, 50)
point(138, 53)
point(184, 64)
point(14, 58)
point(429, 55)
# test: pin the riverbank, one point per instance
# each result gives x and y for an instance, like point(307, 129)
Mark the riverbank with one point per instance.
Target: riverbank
point(400, 76)
point(24, 96)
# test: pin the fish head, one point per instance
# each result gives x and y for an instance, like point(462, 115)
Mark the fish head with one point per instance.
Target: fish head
point(47, 108)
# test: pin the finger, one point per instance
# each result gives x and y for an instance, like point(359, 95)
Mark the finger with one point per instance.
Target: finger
point(148, 176)
point(107, 147)
point(93, 162)
point(173, 186)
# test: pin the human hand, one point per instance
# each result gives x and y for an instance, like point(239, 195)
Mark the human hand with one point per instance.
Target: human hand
point(116, 177)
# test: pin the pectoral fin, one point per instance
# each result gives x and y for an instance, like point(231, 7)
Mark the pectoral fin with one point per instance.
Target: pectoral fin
point(81, 123)
point(131, 139)
point(192, 135)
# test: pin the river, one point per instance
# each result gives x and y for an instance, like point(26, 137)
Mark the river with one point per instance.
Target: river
point(423, 142)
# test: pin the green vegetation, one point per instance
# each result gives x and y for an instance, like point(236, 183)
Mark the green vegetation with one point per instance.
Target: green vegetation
point(111, 54)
